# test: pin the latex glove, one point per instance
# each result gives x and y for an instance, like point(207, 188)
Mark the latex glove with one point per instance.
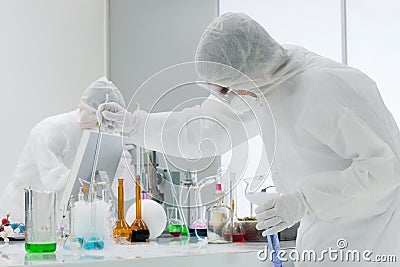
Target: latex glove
point(280, 212)
point(114, 118)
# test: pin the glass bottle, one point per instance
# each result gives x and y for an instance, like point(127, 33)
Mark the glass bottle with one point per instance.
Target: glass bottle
point(140, 231)
point(218, 216)
point(122, 231)
point(175, 226)
point(233, 230)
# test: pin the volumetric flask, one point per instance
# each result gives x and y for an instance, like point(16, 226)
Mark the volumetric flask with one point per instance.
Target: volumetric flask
point(40, 211)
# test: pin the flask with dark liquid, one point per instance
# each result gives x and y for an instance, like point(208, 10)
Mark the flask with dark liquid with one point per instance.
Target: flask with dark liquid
point(140, 231)
point(122, 231)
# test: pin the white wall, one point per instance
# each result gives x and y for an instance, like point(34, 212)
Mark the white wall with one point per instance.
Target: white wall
point(314, 24)
point(373, 45)
point(373, 38)
point(50, 51)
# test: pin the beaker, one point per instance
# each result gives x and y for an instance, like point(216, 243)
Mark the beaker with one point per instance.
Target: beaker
point(40, 212)
point(175, 226)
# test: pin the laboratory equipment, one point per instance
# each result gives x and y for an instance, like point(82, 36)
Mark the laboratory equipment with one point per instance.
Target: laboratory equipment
point(40, 211)
point(175, 226)
point(108, 211)
point(92, 240)
point(234, 227)
point(140, 231)
point(258, 191)
point(71, 243)
point(109, 155)
point(218, 216)
point(153, 214)
point(198, 227)
point(105, 217)
point(122, 231)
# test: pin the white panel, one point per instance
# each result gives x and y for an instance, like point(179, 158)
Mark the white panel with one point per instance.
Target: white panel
point(50, 52)
point(148, 36)
point(314, 24)
point(373, 45)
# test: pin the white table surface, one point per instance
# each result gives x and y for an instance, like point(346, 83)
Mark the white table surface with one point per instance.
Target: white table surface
point(165, 252)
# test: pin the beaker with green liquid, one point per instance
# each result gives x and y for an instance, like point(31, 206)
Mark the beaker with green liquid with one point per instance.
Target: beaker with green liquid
point(40, 221)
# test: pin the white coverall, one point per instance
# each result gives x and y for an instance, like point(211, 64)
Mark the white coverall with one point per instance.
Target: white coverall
point(336, 142)
point(50, 151)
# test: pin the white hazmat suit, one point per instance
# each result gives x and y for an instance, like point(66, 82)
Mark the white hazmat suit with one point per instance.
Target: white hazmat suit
point(48, 154)
point(337, 145)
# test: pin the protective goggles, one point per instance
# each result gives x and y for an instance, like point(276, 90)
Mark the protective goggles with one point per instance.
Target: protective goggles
point(222, 93)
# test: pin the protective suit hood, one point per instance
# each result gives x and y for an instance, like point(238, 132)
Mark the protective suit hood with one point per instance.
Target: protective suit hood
point(95, 95)
point(246, 56)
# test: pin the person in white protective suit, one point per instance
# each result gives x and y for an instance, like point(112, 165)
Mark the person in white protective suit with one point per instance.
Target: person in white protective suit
point(48, 154)
point(337, 145)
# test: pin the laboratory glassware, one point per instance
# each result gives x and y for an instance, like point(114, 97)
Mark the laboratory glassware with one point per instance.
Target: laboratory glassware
point(72, 243)
point(218, 216)
point(198, 226)
point(257, 192)
point(40, 212)
point(197, 222)
point(234, 227)
point(140, 231)
point(92, 240)
point(122, 231)
point(175, 226)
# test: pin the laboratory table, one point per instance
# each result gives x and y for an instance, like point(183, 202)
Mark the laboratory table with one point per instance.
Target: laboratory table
point(163, 252)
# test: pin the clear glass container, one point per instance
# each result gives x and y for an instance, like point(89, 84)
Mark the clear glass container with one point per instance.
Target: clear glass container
point(122, 231)
point(139, 229)
point(93, 240)
point(218, 216)
point(40, 212)
point(234, 227)
point(71, 243)
point(175, 225)
point(198, 224)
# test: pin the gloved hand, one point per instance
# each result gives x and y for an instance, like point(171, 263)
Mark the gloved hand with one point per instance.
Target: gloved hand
point(280, 212)
point(113, 118)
